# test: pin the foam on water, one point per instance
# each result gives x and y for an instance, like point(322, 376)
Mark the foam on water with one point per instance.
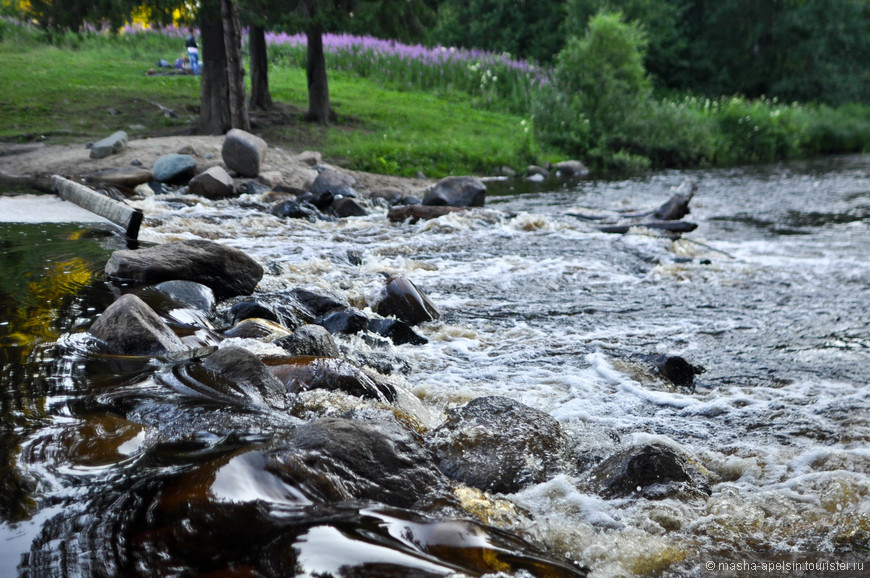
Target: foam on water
point(543, 308)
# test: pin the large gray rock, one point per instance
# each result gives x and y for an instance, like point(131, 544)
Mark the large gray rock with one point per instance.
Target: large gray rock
point(228, 271)
point(499, 445)
point(243, 152)
point(174, 168)
point(335, 182)
point(215, 183)
point(246, 378)
point(110, 145)
point(456, 192)
point(403, 300)
point(129, 327)
point(343, 459)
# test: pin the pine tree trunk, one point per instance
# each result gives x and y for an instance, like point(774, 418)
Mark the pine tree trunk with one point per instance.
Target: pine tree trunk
point(235, 74)
point(260, 97)
point(319, 109)
point(214, 112)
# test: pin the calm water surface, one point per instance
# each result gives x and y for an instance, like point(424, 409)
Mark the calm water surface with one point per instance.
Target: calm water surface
point(771, 295)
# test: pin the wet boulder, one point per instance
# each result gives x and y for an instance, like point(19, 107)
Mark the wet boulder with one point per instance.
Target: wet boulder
point(188, 294)
point(347, 320)
point(240, 374)
point(310, 341)
point(337, 183)
point(653, 471)
point(342, 459)
point(403, 300)
point(306, 373)
point(414, 213)
point(243, 152)
point(174, 168)
point(317, 303)
point(497, 444)
point(675, 369)
point(397, 331)
point(677, 206)
point(226, 270)
point(346, 207)
point(214, 183)
point(259, 329)
point(294, 209)
point(456, 192)
point(110, 145)
point(250, 310)
point(129, 327)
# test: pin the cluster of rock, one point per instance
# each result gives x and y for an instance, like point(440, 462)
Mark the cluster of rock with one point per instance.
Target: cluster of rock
point(328, 193)
point(179, 292)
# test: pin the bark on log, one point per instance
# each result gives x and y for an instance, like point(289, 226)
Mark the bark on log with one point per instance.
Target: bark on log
point(122, 215)
point(671, 226)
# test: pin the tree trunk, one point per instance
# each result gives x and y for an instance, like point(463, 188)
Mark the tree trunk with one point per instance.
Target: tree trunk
point(235, 74)
point(319, 109)
point(214, 113)
point(260, 97)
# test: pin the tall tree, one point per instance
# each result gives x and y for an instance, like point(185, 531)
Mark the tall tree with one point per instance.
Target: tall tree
point(222, 91)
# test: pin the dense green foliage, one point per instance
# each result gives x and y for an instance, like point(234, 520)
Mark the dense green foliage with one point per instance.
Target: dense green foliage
point(600, 109)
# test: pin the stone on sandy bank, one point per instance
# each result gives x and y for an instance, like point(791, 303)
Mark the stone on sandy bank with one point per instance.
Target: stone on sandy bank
point(110, 145)
point(335, 182)
point(571, 169)
point(456, 192)
point(129, 327)
point(228, 271)
point(243, 152)
point(214, 183)
point(174, 168)
point(130, 177)
point(497, 444)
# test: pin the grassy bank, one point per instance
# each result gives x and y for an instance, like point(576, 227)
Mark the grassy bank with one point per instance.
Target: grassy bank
point(407, 109)
point(81, 89)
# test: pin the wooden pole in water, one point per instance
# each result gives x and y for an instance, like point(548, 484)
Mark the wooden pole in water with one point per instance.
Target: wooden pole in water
point(122, 215)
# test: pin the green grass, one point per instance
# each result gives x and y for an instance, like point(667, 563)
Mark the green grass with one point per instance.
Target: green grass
point(82, 89)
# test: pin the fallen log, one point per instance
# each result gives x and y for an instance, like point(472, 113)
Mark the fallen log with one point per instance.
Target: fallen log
point(418, 212)
point(677, 206)
point(117, 212)
point(671, 226)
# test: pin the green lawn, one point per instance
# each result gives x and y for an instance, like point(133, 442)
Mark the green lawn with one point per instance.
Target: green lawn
point(84, 89)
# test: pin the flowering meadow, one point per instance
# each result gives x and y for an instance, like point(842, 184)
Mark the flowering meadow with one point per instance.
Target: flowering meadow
point(496, 81)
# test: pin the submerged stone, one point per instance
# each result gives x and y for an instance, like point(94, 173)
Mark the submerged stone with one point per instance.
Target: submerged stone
point(653, 471)
point(311, 341)
point(308, 373)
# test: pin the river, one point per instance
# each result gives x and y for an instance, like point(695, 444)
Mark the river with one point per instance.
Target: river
point(770, 295)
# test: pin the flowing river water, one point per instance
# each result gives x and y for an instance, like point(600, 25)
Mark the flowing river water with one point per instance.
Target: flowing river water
point(770, 295)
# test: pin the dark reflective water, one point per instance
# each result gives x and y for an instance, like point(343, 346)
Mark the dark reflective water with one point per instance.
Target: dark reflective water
point(111, 466)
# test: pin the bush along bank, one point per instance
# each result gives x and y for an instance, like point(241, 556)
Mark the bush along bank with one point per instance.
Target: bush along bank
point(601, 107)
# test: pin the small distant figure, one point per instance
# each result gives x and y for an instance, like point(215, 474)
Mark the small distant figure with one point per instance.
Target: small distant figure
point(192, 51)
